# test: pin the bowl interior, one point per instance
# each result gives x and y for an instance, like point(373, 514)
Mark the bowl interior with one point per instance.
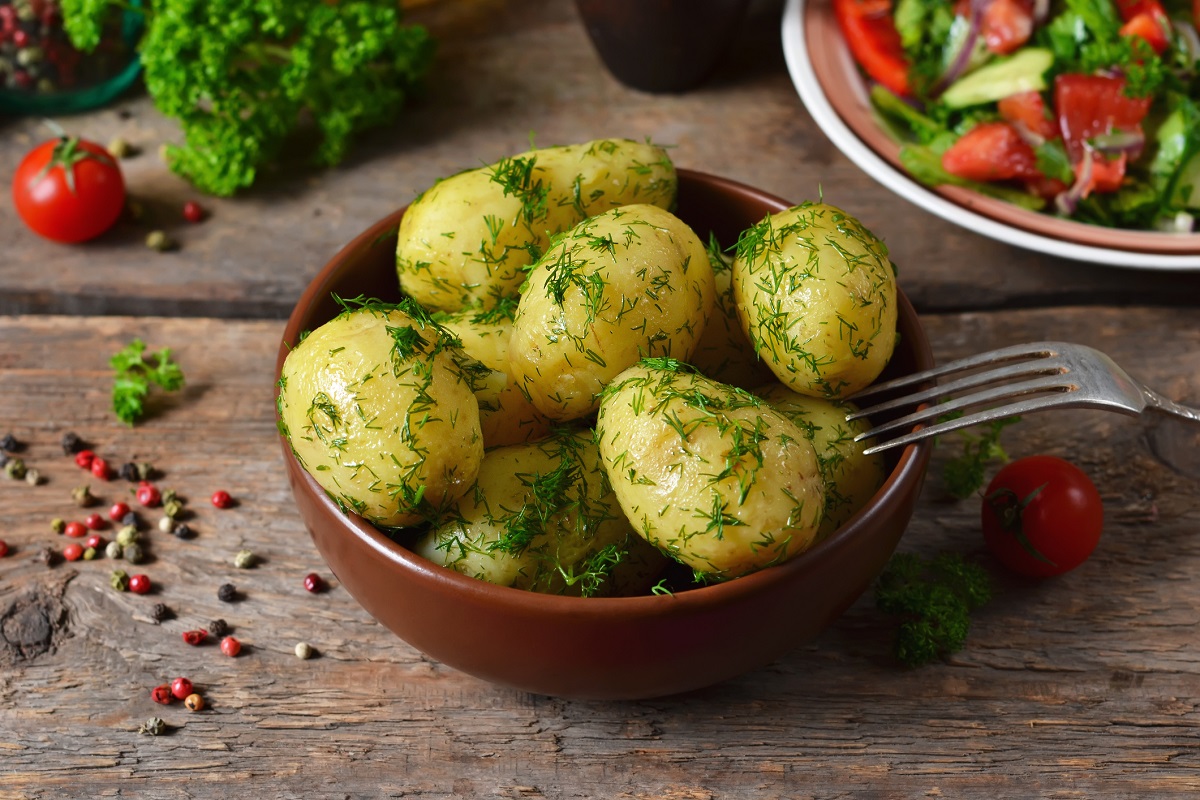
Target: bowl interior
point(845, 90)
point(520, 638)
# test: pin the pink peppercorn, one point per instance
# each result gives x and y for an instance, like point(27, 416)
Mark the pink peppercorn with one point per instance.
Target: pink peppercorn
point(181, 688)
point(139, 584)
point(84, 458)
point(161, 694)
point(118, 511)
point(230, 646)
point(221, 499)
point(99, 468)
point(94, 522)
point(73, 551)
point(76, 530)
point(313, 583)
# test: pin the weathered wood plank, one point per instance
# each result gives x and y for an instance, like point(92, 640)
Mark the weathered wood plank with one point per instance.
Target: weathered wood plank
point(506, 70)
point(1083, 686)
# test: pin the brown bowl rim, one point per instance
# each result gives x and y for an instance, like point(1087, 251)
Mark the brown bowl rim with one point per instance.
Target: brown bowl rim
point(844, 88)
point(909, 470)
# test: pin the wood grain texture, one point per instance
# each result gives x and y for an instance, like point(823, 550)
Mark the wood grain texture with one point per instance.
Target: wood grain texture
point(1080, 687)
point(505, 70)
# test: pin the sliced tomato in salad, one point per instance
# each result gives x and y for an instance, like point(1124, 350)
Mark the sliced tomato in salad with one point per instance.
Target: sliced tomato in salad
point(1006, 25)
point(1028, 109)
point(991, 151)
point(869, 30)
point(1091, 106)
point(1146, 19)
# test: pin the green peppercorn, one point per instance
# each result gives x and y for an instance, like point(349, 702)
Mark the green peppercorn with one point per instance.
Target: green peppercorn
point(119, 580)
point(172, 508)
point(244, 559)
point(144, 471)
point(89, 554)
point(304, 650)
point(113, 550)
point(133, 553)
point(15, 469)
point(57, 525)
point(83, 497)
point(127, 536)
point(158, 240)
point(152, 727)
point(120, 148)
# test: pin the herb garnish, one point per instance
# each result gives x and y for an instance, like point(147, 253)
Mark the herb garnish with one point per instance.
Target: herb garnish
point(964, 475)
point(135, 374)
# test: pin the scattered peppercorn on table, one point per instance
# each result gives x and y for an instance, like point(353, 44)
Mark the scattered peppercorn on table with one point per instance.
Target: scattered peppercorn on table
point(245, 664)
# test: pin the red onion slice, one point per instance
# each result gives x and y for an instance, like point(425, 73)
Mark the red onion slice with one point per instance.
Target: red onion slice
point(1068, 201)
point(962, 57)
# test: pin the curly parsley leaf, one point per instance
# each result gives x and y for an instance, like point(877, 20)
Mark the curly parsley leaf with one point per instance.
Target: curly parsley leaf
point(965, 475)
point(135, 373)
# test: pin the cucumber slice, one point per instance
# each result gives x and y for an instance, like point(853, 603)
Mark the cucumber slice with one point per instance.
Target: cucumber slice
point(1023, 71)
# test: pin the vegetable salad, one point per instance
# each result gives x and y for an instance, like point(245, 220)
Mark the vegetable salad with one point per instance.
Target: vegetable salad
point(1086, 109)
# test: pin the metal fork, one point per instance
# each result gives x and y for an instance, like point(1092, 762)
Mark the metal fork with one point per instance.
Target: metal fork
point(1056, 374)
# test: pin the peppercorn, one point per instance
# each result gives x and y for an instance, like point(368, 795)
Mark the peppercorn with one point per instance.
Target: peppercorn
point(193, 702)
point(89, 553)
point(119, 580)
point(76, 530)
point(95, 540)
point(244, 559)
point(15, 469)
point(83, 459)
point(11, 444)
point(128, 472)
point(33, 477)
point(3, 548)
point(100, 469)
point(120, 148)
point(218, 627)
point(227, 593)
point(133, 553)
point(147, 495)
point(73, 551)
point(221, 499)
point(144, 471)
point(83, 497)
point(117, 511)
point(71, 443)
point(166, 524)
point(183, 531)
point(193, 212)
point(181, 688)
point(130, 519)
point(138, 584)
point(195, 637)
point(3, 458)
point(113, 550)
point(47, 555)
point(57, 525)
point(172, 508)
point(304, 650)
point(231, 646)
point(158, 240)
point(161, 695)
point(160, 612)
point(94, 522)
point(152, 727)
point(314, 583)
point(128, 535)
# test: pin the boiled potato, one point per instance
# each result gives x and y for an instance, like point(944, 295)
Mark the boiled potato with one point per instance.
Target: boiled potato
point(816, 294)
point(381, 415)
point(851, 478)
point(543, 517)
point(628, 283)
point(505, 414)
point(710, 474)
point(724, 353)
point(466, 241)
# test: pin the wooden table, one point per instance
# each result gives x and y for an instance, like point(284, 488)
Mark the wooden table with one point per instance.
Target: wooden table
point(1083, 686)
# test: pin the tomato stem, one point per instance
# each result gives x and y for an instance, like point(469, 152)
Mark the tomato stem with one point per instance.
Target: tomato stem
point(66, 155)
point(1009, 510)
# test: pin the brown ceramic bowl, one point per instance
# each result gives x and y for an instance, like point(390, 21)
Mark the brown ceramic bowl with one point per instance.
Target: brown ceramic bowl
point(835, 93)
point(627, 647)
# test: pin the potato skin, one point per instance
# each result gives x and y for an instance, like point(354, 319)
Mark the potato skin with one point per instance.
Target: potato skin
point(538, 513)
point(387, 425)
point(466, 241)
point(711, 475)
point(816, 293)
point(629, 283)
point(505, 414)
point(851, 478)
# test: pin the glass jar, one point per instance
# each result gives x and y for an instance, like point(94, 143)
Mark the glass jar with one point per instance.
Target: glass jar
point(42, 73)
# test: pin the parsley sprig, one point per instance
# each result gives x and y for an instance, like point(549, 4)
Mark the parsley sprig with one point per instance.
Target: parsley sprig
point(965, 475)
point(135, 373)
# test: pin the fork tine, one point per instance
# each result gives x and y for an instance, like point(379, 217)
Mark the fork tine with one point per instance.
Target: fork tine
point(1021, 351)
point(994, 394)
point(1020, 370)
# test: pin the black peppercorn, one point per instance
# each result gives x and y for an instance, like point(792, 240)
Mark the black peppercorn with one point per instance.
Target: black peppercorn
point(10, 443)
point(227, 593)
point(130, 520)
point(3, 460)
point(71, 443)
point(218, 627)
point(160, 612)
point(129, 472)
point(182, 531)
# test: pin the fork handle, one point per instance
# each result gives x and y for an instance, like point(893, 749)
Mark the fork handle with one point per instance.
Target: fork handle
point(1157, 402)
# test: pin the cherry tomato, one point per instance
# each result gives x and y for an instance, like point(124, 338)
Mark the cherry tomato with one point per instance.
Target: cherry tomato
point(1091, 105)
point(1006, 24)
point(1029, 109)
point(870, 32)
point(991, 151)
point(1042, 516)
point(69, 190)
